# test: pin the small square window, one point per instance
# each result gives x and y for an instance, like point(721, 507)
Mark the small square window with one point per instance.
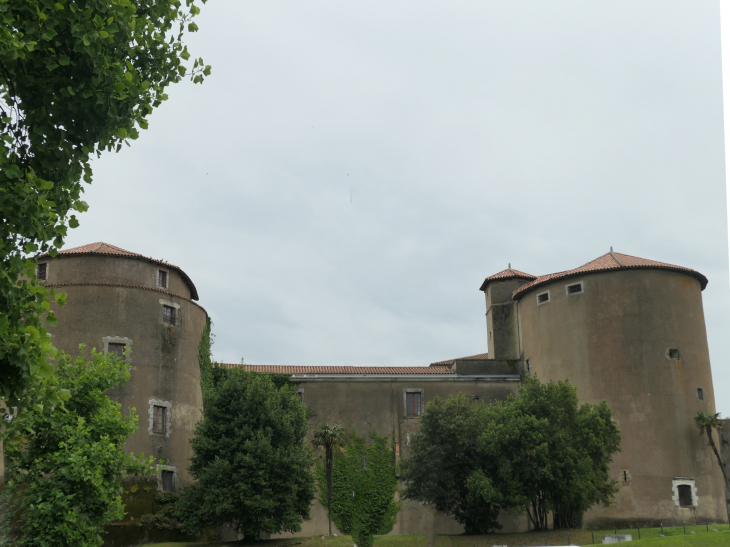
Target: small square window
point(159, 415)
point(162, 279)
point(413, 404)
point(700, 394)
point(574, 288)
point(168, 482)
point(673, 353)
point(685, 495)
point(116, 350)
point(168, 315)
point(42, 271)
point(543, 298)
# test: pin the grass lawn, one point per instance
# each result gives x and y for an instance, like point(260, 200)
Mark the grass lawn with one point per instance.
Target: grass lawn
point(675, 537)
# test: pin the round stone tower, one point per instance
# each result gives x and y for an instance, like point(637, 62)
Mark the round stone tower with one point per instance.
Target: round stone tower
point(631, 331)
point(124, 303)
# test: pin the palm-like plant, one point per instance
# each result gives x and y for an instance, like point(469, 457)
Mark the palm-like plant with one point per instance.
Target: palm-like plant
point(331, 438)
point(707, 422)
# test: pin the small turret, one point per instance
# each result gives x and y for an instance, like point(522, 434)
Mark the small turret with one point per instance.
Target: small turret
point(502, 324)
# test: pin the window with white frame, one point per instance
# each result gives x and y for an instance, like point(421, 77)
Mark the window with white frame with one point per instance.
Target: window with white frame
point(118, 346)
point(574, 288)
point(543, 298)
point(160, 417)
point(684, 492)
point(170, 313)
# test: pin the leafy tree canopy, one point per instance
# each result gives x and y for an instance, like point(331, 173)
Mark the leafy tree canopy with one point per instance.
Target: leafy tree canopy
point(76, 77)
point(252, 467)
point(64, 481)
point(443, 456)
point(364, 484)
point(538, 453)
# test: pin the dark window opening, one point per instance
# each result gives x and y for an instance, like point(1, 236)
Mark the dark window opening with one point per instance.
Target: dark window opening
point(42, 272)
point(544, 297)
point(700, 394)
point(168, 315)
point(476, 400)
point(626, 475)
point(413, 404)
point(162, 279)
point(159, 413)
point(167, 481)
point(685, 495)
point(117, 350)
point(300, 394)
point(673, 353)
point(364, 463)
point(527, 363)
point(572, 289)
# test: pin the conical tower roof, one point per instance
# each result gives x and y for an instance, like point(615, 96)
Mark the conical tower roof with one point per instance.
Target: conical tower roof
point(506, 275)
point(609, 262)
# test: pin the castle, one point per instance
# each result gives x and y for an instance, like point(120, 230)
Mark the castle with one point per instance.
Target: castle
point(620, 328)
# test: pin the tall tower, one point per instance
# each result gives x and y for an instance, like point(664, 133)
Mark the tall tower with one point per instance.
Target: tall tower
point(118, 302)
point(631, 331)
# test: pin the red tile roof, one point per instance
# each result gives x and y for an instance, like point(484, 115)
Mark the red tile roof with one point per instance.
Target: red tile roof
point(506, 275)
point(610, 262)
point(101, 248)
point(283, 369)
point(450, 362)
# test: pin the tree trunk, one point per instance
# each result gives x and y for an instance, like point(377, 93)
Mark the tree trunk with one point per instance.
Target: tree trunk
point(708, 430)
point(328, 465)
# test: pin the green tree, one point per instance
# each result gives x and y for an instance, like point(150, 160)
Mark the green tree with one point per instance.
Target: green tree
point(364, 482)
point(77, 77)
point(331, 438)
point(252, 467)
point(541, 453)
point(443, 456)
point(64, 479)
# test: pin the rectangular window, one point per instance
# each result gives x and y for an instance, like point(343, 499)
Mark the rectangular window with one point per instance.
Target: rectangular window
point(413, 404)
point(300, 394)
point(168, 484)
point(161, 279)
point(117, 350)
point(685, 495)
point(673, 353)
point(42, 272)
point(159, 413)
point(168, 315)
point(700, 394)
point(575, 288)
point(543, 298)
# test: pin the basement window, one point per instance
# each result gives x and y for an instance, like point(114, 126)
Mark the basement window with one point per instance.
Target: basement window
point(543, 298)
point(700, 394)
point(574, 288)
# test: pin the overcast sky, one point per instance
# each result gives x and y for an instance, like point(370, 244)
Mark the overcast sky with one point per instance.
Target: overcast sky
point(351, 171)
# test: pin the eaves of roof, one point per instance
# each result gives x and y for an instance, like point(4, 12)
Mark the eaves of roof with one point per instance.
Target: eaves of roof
point(101, 248)
point(609, 262)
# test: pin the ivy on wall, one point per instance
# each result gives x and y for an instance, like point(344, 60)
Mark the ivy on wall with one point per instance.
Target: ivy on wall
point(364, 485)
point(212, 376)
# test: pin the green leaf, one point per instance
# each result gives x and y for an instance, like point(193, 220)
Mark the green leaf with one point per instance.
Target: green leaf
point(64, 60)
